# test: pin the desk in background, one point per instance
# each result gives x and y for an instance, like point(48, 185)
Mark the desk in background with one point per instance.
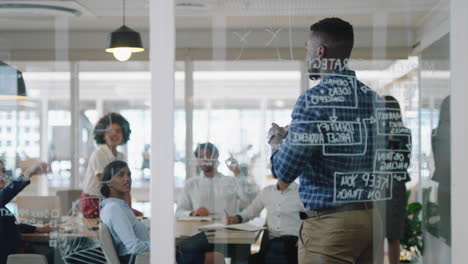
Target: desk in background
point(233, 244)
point(73, 234)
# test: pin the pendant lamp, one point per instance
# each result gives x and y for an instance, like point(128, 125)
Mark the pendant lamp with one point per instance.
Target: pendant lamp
point(12, 85)
point(124, 41)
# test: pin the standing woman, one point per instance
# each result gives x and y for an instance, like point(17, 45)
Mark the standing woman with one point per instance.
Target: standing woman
point(111, 131)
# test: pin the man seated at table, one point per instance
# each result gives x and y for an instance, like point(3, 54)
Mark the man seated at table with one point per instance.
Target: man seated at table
point(10, 230)
point(129, 235)
point(283, 207)
point(212, 193)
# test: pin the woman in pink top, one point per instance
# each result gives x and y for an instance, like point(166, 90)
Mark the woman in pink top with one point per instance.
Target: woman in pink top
point(111, 131)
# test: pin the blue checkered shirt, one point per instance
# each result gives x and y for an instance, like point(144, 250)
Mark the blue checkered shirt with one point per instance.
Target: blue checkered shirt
point(316, 165)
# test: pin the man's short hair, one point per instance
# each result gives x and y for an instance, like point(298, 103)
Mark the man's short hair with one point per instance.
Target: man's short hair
point(106, 121)
point(207, 147)
point(336, 34)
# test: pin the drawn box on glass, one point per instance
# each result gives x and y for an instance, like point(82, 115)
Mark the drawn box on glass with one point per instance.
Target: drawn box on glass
point(337, 91)
point(41, 208)
point(328, 133)
point(362, 186)
point(393, 161)
point(393, 118)
point(53, 243)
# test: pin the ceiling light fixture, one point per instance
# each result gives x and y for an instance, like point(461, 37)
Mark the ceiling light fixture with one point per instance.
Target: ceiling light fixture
point(124, 41)
point(12, 85)
point(15, 9)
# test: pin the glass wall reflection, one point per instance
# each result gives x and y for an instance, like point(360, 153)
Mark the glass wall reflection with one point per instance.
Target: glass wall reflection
point(240, 66)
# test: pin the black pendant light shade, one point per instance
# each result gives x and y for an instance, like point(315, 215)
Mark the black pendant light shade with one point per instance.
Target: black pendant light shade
point(125, 37)
point(124, 41)
point(11, 83)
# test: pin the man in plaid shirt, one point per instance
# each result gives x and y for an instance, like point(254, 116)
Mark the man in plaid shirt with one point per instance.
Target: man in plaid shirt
point(333, 133)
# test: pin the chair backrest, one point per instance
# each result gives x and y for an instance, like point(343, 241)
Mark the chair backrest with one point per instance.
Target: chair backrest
point(67, 197)
point(143, 258)
point(265, 239)
point(39, 208)
point(107, 244)
point(26, 259)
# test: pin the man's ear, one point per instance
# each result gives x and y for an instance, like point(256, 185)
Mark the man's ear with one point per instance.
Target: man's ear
point(321, 52)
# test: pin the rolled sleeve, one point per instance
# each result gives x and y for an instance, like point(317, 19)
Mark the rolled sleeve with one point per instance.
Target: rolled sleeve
point(26, 229)
point(254, 209)
point(288, 162)
point(12, 189)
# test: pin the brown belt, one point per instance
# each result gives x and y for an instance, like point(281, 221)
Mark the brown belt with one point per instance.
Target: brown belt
point(347, 207)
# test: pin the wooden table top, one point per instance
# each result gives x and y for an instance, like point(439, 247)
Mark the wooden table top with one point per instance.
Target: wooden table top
point(69, 227)
point(185, 229)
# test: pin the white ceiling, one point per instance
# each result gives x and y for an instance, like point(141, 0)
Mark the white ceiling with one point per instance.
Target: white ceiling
point(27, 34)
point(106, 14)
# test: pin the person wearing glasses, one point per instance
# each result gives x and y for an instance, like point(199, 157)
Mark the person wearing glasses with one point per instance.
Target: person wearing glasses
point(212, 193)
point(10, 230)
point(111, 131)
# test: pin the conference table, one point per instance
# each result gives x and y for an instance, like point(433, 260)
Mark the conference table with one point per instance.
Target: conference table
point(73, 232)
point(233, 244)
point(89, 229)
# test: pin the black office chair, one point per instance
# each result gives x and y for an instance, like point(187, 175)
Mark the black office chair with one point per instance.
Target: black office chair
point(258, 258)
point(289, 242)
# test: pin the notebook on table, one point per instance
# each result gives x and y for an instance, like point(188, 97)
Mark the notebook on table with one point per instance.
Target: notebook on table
point(234, 227)
point(195, 219)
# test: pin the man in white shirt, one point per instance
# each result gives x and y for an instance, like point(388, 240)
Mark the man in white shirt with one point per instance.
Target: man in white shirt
point(283, 206)
point(213, 193)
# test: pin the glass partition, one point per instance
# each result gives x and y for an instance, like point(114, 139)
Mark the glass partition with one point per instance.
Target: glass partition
point(435, 157)
point(58, 89)
point(304, 131)
point(348, 88)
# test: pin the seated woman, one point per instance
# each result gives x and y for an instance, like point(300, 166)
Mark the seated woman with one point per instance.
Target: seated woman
point(130, 236)
point(10, 231)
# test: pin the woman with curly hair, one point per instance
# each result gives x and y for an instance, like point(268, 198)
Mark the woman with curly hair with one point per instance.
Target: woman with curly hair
point(110, 131)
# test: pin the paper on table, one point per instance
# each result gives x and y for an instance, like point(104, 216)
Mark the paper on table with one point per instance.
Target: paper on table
point(245, 227)
point(236, 227)
point(195, 219)
point(191, 235)
point(212, 227)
